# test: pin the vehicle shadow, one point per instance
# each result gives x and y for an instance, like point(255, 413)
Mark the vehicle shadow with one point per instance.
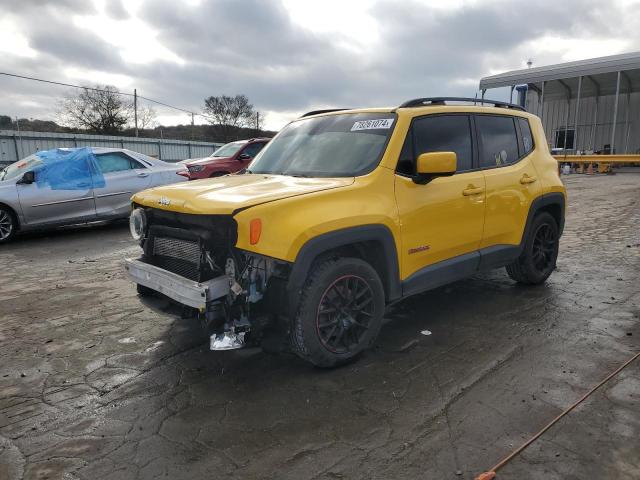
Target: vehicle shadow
point(59, 233)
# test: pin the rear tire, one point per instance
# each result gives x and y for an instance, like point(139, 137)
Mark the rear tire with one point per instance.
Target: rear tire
point(538, 258)
point(8, 224)
point(144, 291)
point(340, 312)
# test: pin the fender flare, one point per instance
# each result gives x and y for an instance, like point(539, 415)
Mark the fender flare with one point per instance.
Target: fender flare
point(547, 199)
point(339, 238)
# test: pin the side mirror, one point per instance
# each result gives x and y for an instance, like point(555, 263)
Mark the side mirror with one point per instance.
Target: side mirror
point(435, 164)
point(244, 156)
point(27, 179)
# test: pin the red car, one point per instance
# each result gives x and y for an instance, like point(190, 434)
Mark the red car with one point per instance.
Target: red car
point(229, 158)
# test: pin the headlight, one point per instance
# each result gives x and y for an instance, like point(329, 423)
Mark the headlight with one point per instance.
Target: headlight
point(138, 224)
point(195, 168)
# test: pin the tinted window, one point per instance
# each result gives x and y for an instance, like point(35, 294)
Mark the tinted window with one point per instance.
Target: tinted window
point(444, 133)
point(497, 139)
point(406, 161)
point(253, 149)
point(116, 162)
point(527, 137)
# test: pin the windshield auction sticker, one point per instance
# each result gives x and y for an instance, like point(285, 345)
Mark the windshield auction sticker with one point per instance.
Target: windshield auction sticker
point(381, 123)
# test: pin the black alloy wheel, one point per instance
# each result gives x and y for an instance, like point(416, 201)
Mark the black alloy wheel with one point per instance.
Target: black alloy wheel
point(539, 252)
point(544, 247)
point(340, 312)
point(345, 310)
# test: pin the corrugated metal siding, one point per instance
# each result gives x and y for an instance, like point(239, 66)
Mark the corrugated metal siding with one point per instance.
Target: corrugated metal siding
point(593, 132)
point(16, 145)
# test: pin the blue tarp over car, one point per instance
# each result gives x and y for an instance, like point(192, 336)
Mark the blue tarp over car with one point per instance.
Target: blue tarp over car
point(68, 169)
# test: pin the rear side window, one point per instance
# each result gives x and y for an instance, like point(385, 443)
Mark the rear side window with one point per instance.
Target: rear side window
point(437, 133)
point(527, 137)
point(497, 140)
point(116, 162)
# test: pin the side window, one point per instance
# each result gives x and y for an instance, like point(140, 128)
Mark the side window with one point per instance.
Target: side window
point(406, 162)
point(116, 162)
point(497, 139)
point(527, 137)
point(444, 133)
point(253, 149)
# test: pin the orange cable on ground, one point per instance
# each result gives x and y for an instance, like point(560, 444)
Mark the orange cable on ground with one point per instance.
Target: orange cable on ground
point(489, 475)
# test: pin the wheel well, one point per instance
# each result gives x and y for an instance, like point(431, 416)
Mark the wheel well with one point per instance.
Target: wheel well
point(554, 210)
point(218, 174)
point(370, 251)
point(13, 214)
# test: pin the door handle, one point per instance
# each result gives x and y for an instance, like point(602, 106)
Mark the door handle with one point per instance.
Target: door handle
point(525, 179)
point(143, 174)
point(471, 190)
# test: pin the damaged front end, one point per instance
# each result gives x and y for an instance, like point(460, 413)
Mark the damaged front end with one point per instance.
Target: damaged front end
point(238, 296)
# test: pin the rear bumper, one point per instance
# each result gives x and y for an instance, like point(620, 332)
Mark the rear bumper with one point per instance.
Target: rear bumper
point(182, 290)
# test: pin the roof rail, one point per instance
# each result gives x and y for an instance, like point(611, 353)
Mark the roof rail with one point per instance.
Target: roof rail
point(317, 112)
point(423, 102)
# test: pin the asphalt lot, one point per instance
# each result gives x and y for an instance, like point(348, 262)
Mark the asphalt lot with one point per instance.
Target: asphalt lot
point(95, 384)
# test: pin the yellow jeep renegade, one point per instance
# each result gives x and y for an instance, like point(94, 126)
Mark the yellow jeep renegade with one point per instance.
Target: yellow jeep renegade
point(345, 211)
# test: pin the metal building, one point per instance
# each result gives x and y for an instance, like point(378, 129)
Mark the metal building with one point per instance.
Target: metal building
point(588, 106)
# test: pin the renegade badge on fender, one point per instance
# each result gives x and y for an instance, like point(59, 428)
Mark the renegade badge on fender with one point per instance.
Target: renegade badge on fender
point(345, 211)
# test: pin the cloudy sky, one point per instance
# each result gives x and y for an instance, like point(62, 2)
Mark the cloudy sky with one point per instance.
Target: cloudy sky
point(290, 56)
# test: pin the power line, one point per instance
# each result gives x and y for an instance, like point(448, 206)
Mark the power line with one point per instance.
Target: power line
point(100, 90)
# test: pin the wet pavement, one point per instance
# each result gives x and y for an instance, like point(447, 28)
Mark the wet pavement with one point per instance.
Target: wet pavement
point(95, 384)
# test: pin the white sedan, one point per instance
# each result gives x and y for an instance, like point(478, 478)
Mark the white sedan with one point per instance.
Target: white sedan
point(70, 186)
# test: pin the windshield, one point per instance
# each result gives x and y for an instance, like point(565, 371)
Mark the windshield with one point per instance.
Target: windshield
point(228, 150)
point(343, 145)
point(18, 168)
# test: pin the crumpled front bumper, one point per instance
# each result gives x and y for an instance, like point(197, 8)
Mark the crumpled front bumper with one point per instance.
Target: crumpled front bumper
point(182, 290)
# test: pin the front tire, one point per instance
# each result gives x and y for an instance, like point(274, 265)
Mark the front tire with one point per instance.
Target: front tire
point(8, 225)
point(340, 312)
point(538, 258)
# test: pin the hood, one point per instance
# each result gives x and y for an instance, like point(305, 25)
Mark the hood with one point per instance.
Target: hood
point(224, 195)
point(205, 160)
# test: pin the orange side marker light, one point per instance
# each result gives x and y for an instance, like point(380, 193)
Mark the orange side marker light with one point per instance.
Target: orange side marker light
point(255, 229)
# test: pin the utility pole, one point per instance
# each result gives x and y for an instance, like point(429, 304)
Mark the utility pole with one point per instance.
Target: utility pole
point(19, 136)
point(193, 127)
point(135, 109)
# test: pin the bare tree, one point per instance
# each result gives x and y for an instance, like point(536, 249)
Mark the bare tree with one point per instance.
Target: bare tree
point(102, 111)
point(147, 117)
point(229, 113)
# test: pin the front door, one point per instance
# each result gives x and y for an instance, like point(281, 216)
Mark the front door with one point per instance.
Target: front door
point(62, 193)
point(123, 176)
point(442, 220)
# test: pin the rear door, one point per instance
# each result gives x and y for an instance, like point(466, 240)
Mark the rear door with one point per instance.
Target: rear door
point(123, 176)
point(505, 145)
